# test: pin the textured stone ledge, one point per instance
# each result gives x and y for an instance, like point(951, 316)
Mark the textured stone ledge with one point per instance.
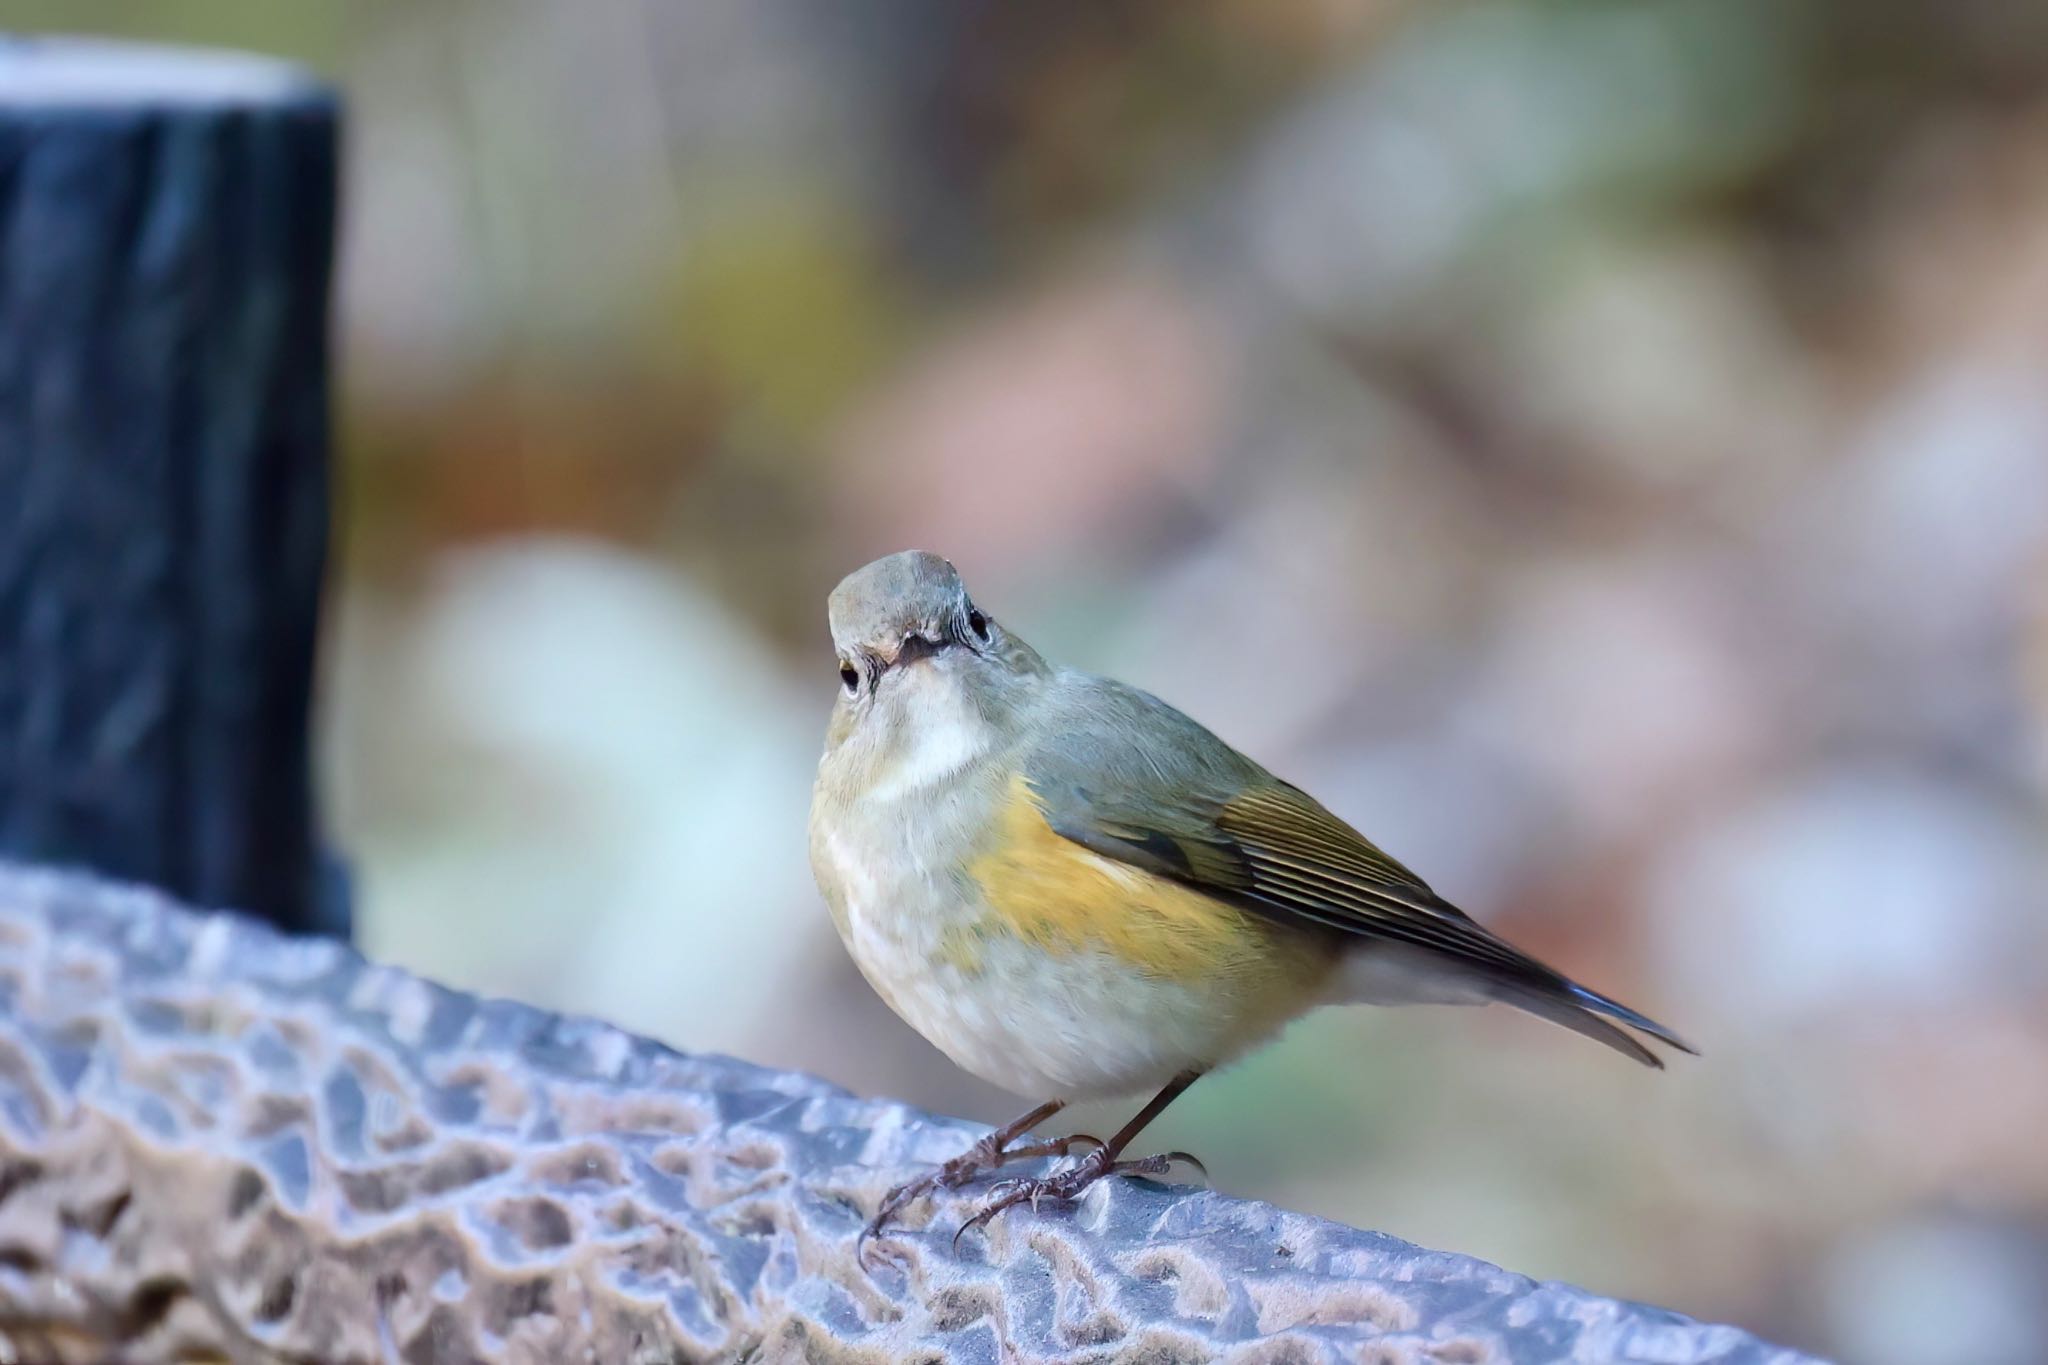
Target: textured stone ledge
point(217, 1143)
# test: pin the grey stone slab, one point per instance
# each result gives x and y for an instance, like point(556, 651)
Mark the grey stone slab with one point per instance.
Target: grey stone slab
point(217, 1139)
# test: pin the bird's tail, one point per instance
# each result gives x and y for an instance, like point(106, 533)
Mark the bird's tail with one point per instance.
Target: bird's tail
point(1588, 1012)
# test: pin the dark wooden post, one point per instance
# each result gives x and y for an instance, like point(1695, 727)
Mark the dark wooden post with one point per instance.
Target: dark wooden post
point(166, 238)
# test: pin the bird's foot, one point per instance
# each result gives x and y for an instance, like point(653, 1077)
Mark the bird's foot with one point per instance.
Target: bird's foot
point(984, 1156)
point(1069, 1183)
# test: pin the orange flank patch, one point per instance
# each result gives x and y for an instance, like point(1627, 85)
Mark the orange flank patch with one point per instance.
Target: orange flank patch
point(1059, 896)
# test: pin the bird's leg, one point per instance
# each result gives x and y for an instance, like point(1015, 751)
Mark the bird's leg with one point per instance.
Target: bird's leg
point(1103, 1161)
point(984, 1156)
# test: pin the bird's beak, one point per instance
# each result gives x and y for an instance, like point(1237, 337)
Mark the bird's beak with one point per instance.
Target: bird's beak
point(915, 645)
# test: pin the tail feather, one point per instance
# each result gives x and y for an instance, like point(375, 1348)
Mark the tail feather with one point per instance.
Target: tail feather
point(1642, 1023)
point(1580, 1010)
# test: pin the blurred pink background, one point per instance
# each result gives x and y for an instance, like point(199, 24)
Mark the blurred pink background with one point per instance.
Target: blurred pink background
point(1602, 450)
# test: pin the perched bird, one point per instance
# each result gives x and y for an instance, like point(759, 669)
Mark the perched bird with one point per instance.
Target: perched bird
point(1073, 890)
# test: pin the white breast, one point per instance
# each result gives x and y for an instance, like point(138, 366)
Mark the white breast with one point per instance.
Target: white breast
point(861, 898)
point(1068, 1026)
point(1038, 1024)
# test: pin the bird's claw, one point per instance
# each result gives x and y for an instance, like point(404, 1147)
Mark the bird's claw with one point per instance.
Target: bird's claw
point(984, 1156)
point(1069, 1183)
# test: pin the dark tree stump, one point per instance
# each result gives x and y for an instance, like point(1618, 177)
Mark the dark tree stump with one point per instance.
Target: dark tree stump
point(166, 237)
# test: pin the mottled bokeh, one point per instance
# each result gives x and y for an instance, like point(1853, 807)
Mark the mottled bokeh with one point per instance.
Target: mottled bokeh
point(1600, 448)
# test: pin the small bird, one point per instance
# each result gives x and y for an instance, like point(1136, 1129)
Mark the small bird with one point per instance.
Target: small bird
point(1073, 890)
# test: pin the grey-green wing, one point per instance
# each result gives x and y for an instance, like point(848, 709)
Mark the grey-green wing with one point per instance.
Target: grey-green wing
point(1124, 774)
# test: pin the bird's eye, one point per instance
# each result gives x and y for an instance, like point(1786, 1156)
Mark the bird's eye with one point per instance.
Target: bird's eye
point(977, 623)
point(850, 676)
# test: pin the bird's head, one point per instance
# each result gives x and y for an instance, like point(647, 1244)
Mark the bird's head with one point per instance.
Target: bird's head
point(922, 669)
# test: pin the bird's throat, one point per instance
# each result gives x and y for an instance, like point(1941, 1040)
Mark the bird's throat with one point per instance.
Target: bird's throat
point(927, 732)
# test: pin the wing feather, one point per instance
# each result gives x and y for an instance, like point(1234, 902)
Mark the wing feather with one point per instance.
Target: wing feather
point(1198, 812)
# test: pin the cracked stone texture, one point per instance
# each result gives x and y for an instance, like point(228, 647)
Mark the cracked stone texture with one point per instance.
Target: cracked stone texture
point(217, 1143)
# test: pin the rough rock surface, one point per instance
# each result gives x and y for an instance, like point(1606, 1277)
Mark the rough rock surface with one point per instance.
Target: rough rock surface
point(218, 1143)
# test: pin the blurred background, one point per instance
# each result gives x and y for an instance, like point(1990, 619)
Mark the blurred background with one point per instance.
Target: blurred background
point(1600, 448)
